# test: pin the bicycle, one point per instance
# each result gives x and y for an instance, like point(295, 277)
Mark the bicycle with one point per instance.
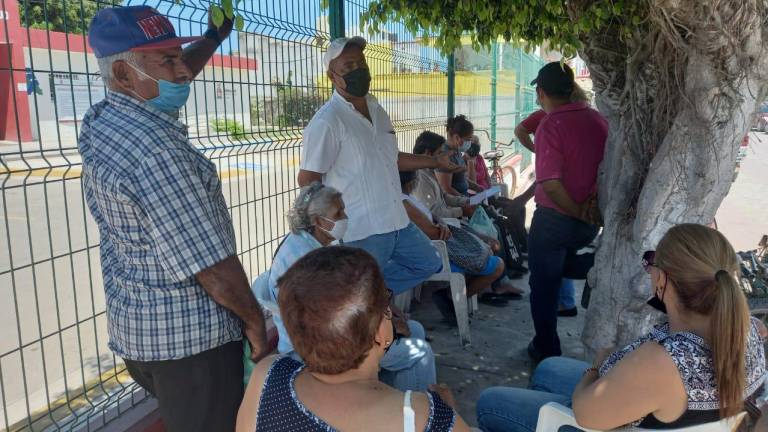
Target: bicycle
point(496, 171)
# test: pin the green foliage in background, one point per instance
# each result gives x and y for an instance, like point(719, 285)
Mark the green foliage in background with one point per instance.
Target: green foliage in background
point(233, 128)
point(59, 15)
point(531, 23)
point(292, 106)
point(297, 106)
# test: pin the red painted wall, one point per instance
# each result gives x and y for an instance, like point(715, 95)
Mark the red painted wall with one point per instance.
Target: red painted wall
point(14, 39)
point(11, 75)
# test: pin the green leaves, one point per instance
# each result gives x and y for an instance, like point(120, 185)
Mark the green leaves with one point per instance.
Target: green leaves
point(239, 23)
point(217, 15)
point(229, 9)
point(484, 21)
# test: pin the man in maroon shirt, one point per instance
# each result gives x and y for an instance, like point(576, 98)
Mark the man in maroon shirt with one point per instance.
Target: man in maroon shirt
point(570, 142)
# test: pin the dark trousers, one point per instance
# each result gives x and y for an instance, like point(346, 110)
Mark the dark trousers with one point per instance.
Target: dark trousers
point(198, 393)
point(552, 244)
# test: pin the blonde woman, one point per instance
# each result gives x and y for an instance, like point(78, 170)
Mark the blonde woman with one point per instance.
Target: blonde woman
point(701, 365)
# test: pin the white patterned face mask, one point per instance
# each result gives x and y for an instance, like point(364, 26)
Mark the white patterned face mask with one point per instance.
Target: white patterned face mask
point(339, 228)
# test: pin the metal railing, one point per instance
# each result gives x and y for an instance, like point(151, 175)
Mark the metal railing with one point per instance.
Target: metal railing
point(246, 113)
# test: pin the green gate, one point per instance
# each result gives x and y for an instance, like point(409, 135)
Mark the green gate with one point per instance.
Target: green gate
point(246, 113)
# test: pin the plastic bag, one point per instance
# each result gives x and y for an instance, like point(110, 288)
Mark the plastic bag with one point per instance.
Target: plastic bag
point(483, 224)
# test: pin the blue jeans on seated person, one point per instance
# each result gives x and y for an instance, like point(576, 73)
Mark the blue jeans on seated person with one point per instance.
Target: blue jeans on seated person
point(410, 363)
point(511, 409)
point(490, 267)
point(567, 294)
point(406, 257)
point(553, 241)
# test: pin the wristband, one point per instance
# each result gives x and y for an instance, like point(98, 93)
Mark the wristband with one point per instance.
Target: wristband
point(213, 35)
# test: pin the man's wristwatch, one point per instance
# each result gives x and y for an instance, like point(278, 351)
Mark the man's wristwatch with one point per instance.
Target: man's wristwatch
point(213, 35)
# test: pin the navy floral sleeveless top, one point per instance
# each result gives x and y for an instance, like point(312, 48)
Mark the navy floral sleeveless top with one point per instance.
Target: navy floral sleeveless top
point(693, 358)
point(281, 410)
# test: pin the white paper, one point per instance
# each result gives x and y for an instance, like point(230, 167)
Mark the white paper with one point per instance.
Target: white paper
point(452, 222)
point(482, 196)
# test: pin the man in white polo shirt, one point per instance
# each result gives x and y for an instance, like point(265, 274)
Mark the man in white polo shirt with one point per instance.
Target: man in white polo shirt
point(350, 144)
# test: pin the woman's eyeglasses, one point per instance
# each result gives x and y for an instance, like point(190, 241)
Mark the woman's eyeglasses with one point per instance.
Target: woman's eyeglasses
point(649, 260)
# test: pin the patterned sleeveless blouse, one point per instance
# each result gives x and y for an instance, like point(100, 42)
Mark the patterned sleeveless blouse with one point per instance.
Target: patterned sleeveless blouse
point(281, 410)
point(693, 358)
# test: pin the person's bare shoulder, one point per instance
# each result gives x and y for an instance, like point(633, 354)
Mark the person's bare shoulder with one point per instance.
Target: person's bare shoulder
point(420, 403)
point(249, 408)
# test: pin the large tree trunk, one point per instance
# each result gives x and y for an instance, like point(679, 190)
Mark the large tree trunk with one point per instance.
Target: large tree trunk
point(678, 110)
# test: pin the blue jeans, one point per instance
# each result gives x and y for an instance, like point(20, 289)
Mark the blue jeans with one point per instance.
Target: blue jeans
point(552, 244)
point(409, 364)
point(511, 409)
point(406, 257)
point(567, 294)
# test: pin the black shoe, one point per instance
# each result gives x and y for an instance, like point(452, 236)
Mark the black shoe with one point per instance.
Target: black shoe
point(572, 312)
point(510, 295)
point(444, 303)
point(537, 356)
point(494, 300)
point(534, 354)
point(517, 268)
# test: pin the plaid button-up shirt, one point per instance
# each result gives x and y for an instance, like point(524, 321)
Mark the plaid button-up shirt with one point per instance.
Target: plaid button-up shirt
point(162, 218)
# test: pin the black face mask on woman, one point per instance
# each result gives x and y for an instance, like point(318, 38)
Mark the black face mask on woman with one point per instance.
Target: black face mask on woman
point(358, 81)
point(657, 302)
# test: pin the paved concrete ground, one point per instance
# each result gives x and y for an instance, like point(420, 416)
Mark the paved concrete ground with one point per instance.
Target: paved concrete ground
point(743, 215)
point(497, 355)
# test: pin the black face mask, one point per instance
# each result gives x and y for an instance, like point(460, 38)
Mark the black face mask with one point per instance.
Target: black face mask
point(658, 303)
point(358, 82)
point(395, 337)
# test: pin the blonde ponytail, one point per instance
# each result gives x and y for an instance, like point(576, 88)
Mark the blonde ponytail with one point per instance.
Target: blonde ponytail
point(702, 265)
point(729, 329)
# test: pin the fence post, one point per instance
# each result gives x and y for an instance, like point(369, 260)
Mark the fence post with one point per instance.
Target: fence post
point(494, 71)
point(519, 94)
point(336, 18)
point(451, 85)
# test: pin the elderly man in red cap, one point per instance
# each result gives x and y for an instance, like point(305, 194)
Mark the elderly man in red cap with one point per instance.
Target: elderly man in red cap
point(178, 300)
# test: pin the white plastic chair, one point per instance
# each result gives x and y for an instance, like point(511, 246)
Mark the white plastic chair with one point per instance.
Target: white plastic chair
point(553, 416)
point(458, 293)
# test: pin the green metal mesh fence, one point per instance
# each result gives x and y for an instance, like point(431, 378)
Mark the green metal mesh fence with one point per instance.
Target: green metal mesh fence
point(246, 113)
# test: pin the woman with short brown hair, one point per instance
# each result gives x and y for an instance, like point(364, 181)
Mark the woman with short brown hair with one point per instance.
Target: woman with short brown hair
point(336, 310)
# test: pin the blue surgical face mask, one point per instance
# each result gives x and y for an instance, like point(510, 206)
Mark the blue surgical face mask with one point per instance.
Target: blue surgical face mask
point(465, 146)
point(172, 96)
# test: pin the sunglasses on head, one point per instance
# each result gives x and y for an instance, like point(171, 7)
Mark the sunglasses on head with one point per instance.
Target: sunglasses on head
point(649, 260)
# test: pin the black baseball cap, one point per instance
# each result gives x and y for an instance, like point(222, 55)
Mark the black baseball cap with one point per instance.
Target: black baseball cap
point(555, 79)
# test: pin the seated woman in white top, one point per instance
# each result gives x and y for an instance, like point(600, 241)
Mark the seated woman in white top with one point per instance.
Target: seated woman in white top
point(477, 281)
point(336, 310)
point(705, 363)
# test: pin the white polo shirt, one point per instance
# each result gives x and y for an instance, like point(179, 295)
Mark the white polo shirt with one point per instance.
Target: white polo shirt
point(360, 160)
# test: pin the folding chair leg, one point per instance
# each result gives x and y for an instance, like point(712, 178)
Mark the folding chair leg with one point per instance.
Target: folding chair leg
point(459, 296)
point(473, 305)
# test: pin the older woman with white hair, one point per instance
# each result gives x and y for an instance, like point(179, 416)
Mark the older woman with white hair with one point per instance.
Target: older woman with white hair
point(317, 219)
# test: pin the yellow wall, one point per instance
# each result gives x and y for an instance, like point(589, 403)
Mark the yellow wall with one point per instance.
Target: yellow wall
point(468, 83)
point(435, 83)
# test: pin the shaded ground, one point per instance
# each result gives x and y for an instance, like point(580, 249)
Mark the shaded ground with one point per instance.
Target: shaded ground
point(497, 355)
